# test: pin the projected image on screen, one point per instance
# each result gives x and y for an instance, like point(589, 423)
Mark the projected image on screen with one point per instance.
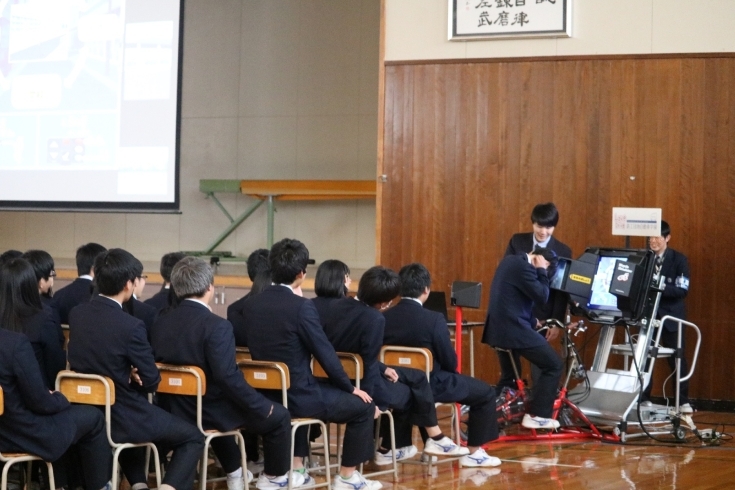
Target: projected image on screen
point(601, 299)
point(88, 102)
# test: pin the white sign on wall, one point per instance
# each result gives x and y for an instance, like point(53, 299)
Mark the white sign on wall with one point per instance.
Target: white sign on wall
point(478, 19)
point(636, 221)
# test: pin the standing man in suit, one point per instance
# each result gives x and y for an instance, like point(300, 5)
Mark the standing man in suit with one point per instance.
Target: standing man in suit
point(282, 326)
point(160, 300)
point(107, 341)
point(191, 334)
point(520, 282)
point(673, 267)
point(79, 291)
point(410, 324)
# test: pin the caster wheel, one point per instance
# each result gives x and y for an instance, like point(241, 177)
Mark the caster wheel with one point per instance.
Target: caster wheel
point(680, 433)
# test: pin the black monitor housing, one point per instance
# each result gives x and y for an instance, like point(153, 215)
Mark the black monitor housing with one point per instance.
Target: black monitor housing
point(608, 284)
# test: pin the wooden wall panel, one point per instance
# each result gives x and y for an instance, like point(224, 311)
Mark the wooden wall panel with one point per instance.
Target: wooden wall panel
point(470, 148)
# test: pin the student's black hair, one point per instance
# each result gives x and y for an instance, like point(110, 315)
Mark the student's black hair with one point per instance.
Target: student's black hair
point(287, 259)
point(42, 262)
point(378, 285)
point(19, 296)
point(113, 269)
point(545, 214)
point(329, 281)
point(550, 256)
point(415, 278)
point(168, 262)
point(262, 280)
point(665, 229)
point(86, 255)
point(10, 254)
point(257, 262)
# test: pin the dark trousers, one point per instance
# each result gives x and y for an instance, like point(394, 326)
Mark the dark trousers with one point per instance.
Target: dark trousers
point(482, 425)
point(187, 444)
point(546, 386)
point(276, 432)
point(252, 446)
point(669, 339)
point(344, 408)
point(90, 441)
point(412, 403)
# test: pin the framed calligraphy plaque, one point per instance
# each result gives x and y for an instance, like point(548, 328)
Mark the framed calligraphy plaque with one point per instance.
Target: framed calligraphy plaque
point(503, 19)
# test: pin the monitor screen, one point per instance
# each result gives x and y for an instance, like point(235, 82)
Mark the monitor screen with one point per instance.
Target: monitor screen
point(89, 104)
point(601, 299)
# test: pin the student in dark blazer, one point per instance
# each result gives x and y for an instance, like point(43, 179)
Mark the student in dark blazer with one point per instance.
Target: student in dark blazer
point(43, 423)
point(107, 341)
point(80, 290)
point(43, 266)
point(21, 311)
point(331, 282)
point(356, 325)
point(191, 334)
point(410, 324)
point(257, 267)
point(519, 282)
point(140, 310)
point(160, 300)
point(281, 326)
point(544, 219)
point(673, 266)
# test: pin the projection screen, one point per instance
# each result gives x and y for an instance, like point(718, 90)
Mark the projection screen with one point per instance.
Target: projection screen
point(89, 104)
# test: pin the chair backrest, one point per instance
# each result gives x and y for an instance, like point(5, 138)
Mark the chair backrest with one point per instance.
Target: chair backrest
point(351, 363)
point(181, 380)
point(419, 358)
point(88, 389)
point(267, 375)
point(185, 381)
point(242, 354)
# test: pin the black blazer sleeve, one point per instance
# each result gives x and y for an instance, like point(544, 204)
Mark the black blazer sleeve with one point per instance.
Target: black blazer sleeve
point(680, 267)
point(141, 357)
point(313, 337)
point(220, 353)
point(34, 392)
point(442, 347)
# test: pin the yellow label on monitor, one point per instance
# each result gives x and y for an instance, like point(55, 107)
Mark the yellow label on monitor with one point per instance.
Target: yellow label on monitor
point(578, 278)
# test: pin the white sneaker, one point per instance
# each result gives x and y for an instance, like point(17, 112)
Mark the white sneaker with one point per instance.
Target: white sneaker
point(478, 476)
point(279, 482)
point(686, 408)
point(308, 480)
point(530, 422)
point(401, 454)
point(444, 447)
point(478, 459)
point(237, 483)
point(355, 482)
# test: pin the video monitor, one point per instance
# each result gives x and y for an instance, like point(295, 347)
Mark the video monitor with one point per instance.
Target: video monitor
point(607, 284)
point(602, 298)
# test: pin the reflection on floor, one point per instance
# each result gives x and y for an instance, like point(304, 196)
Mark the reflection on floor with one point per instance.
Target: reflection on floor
point(639, 464)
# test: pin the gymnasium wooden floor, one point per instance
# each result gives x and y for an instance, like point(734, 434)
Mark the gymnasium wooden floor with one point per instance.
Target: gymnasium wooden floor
point(638, 464)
